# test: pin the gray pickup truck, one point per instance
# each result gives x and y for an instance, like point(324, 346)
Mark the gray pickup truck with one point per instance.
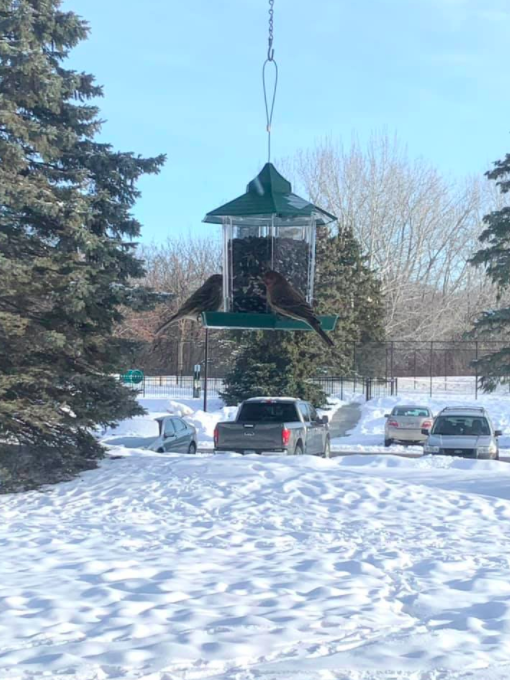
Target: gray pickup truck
point(275, 425)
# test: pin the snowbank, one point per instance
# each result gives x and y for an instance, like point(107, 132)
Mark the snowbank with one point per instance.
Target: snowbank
point(234, 568)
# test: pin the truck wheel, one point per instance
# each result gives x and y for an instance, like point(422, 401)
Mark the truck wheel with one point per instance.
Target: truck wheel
point(388, 442)
point(192, 448)
point(298, 451)
point(327, 449)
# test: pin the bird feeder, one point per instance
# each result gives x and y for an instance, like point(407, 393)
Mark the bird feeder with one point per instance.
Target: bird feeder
point(267, 228)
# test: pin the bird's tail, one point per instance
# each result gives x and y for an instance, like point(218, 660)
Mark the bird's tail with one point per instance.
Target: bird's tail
point(325, 338)
point(167, 323)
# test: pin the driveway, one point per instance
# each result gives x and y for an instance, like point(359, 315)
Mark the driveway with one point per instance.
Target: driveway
point(344, 420)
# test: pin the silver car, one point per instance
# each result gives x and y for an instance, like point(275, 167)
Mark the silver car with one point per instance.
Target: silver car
point(175, 435)
point(465, 432)
point(405, 424)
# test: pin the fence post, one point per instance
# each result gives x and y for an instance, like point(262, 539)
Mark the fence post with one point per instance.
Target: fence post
point(415, 369)
point(368, 392)
point(341, 389)
point(476, 370)
point(392, 370)
point(445, 371)
point(431, 371)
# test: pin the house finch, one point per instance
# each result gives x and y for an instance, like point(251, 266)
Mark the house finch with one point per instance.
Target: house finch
point(285, 300)
point(208, 298)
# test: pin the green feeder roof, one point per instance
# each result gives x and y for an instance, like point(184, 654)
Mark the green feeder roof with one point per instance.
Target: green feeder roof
point(266, 195)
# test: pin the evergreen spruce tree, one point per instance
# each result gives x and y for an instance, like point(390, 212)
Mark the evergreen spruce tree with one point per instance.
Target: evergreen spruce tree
point(66, 241)
point(346, 286)
point(495, 257)
point(285, 363)
point(273, 363)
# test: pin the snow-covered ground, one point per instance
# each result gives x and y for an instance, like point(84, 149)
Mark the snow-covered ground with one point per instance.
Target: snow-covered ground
point(368, 435)
point(177, 567)
point(446, 385)
point(167, 567)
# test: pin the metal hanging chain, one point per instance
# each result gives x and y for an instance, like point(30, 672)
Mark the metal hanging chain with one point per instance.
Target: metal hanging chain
point(270, 59)
point(270, 51)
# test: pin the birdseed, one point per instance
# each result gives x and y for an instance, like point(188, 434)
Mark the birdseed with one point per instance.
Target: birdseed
point(251, 257)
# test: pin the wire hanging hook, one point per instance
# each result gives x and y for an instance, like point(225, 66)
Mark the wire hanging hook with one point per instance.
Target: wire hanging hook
point(270, 51)
point(270, 59)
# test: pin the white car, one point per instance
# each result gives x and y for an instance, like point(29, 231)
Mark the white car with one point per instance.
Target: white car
point(405, 424)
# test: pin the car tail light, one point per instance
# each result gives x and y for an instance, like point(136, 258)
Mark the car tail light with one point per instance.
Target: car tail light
point(285, 436)
point(393, 423)
point(427, 424)
point(216, 436)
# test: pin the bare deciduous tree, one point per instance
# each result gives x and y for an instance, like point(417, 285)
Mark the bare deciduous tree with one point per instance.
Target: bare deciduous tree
point(176, 267)
point(417, 228)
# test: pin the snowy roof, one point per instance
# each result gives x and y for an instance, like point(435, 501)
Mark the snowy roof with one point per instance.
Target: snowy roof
point(264, 399)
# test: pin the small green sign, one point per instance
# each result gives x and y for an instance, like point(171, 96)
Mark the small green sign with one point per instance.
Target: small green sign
point(136, 376)
point(133, 377)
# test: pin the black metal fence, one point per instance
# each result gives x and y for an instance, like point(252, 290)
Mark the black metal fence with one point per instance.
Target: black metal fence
point(181, 386)
point(419, 359)
point(433, 368)
point(346, 388)
point(185, 387)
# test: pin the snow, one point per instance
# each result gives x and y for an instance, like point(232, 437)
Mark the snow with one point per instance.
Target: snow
point(178, 567)
point(368, 435)
point(142, 431)
point(167, 567)
point(448, 385)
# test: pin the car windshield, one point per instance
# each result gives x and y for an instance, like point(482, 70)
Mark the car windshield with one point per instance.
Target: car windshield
point(275, 412)
point(461, 425)
point(411, 411)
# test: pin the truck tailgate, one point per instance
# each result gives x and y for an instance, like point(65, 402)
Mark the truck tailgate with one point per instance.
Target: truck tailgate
point(250, 436)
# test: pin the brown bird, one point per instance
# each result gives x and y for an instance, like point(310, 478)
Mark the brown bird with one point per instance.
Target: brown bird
point(208, 298)
point(287, 301)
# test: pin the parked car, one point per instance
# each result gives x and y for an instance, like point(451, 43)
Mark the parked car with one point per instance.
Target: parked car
point(175, 435)
point(466, 432)
point(405, 424)
point(275, 425)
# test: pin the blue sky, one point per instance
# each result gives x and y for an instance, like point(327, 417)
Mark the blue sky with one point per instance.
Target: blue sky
point(184, 78)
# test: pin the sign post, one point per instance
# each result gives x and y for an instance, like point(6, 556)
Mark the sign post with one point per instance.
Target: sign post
point(206, 367)
point(196, 381)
